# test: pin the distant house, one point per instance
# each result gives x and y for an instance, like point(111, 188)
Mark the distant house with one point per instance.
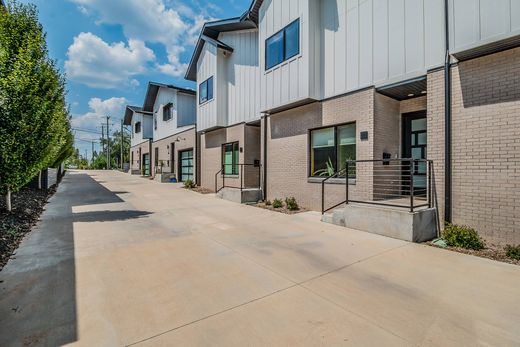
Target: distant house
point(141, 140)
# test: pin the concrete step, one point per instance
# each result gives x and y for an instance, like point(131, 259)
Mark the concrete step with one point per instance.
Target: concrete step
point(249, 195)
point(417, 226)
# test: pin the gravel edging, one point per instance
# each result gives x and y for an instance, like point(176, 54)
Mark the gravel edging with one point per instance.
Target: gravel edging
point(27, 206)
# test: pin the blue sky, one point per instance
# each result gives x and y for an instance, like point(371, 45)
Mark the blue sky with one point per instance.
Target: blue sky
point(110, 49)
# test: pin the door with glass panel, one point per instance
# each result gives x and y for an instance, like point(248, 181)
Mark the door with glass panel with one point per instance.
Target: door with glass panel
point(186, 165)
point(230, 158)
point(415, 147)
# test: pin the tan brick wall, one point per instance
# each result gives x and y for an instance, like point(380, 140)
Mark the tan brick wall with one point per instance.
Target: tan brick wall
point(288, 148)
point(435, 127)
point(413, 105)
point(135, 165)
point(211, 153)
point(186, 141)
point(486, 145)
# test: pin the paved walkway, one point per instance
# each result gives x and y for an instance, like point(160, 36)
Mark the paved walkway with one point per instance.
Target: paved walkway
point(119, 260)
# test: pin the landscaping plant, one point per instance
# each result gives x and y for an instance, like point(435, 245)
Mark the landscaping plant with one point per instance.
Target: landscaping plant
point(291, 204)
point(513, 252)
point(462, 236)
point(34, 119)
point(277, 203)
point(189, 184)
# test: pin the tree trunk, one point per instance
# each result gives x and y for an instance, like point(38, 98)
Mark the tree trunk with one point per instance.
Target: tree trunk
point(8, 200)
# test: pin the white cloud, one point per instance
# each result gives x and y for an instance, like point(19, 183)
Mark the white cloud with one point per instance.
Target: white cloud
point(99, 109)
point(93, 62)
point(175, 26)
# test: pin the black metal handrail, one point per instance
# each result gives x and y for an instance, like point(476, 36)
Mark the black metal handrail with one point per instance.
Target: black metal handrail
point(334, 175)
point(403, 175)
point(240, 175)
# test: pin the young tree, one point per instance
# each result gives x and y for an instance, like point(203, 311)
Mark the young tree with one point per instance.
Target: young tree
point(34, 120)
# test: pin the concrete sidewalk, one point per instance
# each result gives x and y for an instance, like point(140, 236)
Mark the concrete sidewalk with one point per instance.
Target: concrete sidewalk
point(120, 260)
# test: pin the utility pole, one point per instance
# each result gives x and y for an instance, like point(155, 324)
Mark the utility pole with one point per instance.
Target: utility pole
point(92, 159)
point(122, 141)
point(102, 138)
point(108, 144)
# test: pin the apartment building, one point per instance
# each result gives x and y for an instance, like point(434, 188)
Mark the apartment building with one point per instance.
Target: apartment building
point(174, 131)
point(370, 84)
point(164, 137)
point(141, 123)
point(225, 66)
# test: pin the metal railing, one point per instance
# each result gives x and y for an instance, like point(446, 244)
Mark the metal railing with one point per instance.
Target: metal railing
point(335, 175)
point(399, 183)
point(245, 173)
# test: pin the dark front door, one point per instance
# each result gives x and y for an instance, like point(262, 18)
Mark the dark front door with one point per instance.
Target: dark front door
point(415, 147)
point(186, 165)
point(146, 164)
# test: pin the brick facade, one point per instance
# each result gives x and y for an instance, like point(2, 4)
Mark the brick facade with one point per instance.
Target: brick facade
point(136, 154)
point(179, 142)
point(248, 137)
point(486, 145)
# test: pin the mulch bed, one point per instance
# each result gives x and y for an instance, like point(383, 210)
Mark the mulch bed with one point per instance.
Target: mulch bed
point(283, 209)
point(27, 206)
point(493, 252)
point(200, 190)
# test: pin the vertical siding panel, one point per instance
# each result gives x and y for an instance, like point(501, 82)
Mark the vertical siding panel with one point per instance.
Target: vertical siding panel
point(515, 15)
point(414, 35)
point(352, 44)
point(381, 33)
point(466, 22)
point(340, 58)
point(434, 40)
point(396, 62)
point(365, 43)
point(494, 17)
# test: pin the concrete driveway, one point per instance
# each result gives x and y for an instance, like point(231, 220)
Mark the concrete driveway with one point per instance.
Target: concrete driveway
point(119, 260)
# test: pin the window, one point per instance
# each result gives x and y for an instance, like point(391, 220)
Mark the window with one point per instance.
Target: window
point(206, 90)
point(283, 45)
point(155, 122)
point(156, 161)
point(137, 127)
point(167, 112)
point(186, 165)
point(331, 148)
point(230, 158)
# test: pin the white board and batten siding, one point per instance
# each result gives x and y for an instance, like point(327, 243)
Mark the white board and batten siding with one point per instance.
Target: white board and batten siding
point(242, 76)
point(146, 128)
point(297, 78)
point(207, 116)
point(186, 103)
point(477, 22)
point(378, 42)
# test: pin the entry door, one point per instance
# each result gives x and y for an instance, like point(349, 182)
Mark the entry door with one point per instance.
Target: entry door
point(415, 146)
point(146, 164)
point(186, 165)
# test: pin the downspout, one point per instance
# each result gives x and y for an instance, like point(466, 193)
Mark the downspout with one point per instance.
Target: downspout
point(150, 163)
point(265, 157)
point(447, 120)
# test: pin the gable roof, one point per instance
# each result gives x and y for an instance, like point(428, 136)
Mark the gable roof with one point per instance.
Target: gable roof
point(129, 112)
point(153, 90)
point(210, 32)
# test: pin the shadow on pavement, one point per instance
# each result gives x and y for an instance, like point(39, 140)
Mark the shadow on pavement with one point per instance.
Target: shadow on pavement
point(38, 286)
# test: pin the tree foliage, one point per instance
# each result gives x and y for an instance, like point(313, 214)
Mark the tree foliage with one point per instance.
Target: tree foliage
point(34, 120)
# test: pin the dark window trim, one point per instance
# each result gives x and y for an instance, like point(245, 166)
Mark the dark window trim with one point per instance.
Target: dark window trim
point(137, 127)
point(179, 159)
point(207, 89)
point(233, 164)
point(167, 111)
point(284, 59)
point(309, 147)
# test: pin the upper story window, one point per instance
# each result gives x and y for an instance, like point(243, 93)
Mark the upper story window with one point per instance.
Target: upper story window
point(167, 112)
point(331, 148)
point(206, 90)
point(137, 127)
point(283, 45)
point(155, 121)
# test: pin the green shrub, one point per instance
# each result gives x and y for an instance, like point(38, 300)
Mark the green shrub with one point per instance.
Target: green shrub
point(462, 236)
point(513, 252)
point(277, 203)
point(291, 203)
point(268, 203)
point(189, 184)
